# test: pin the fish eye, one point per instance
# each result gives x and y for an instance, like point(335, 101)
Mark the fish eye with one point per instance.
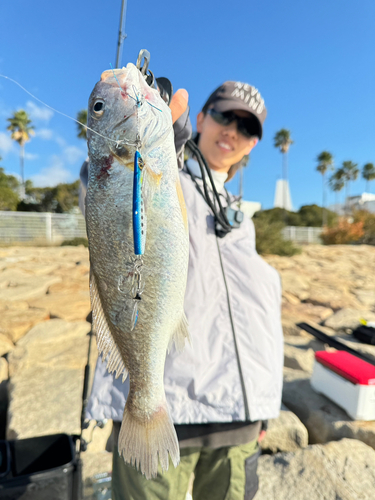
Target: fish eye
point(99, 107)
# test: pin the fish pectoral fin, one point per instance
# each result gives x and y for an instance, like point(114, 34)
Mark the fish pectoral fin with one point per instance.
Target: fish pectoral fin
point(105, 342)
point(151, 183)
point(180, 334)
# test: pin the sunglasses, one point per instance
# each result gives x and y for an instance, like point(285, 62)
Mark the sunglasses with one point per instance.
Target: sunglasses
point(245, 125)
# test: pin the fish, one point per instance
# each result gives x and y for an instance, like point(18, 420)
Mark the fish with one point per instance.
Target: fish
point(138, 238)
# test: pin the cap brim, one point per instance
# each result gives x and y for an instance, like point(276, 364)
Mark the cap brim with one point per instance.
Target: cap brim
point(223, 105)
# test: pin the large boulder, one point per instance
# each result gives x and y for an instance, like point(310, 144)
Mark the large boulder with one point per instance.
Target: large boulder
point(343, 470)
point(348, 319)
point(19, 285)
point(324, 420)
point(46, 372)
point(285, 433)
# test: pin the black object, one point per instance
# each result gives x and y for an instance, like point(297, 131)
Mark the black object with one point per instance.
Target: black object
point(252, 480)
point(365, 334)
point(333, 342)
point(222, 224)
point(40, 468)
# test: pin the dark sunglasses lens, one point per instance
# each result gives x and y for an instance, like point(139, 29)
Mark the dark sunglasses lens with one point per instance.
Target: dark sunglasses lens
point(220, 118)
point(244, 127)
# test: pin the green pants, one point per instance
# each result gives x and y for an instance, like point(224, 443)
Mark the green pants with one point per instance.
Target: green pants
point(219, 475)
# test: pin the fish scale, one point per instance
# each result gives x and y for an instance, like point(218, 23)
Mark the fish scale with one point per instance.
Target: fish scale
point(138, 347)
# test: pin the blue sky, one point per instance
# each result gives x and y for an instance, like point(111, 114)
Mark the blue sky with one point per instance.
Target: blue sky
point(313, 62)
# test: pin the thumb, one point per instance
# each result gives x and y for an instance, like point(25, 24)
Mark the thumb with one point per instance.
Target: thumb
point(179, 104)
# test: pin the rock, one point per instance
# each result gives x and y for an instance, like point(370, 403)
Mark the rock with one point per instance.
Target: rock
point(348, 319)
point(332, 297)
point(295, 284)
point(68, 306)
point(366, 298)
point(15, 323)
point(93, 464)
point(343, 470)
point(97, 438)
point(6, 345)
point(286, 433)
point(323, 419)
point(46, 370)
point(4, 370)
point(298, 358)
point(17, 285)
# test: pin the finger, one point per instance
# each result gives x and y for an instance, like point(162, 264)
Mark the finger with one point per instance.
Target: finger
point(179, 104)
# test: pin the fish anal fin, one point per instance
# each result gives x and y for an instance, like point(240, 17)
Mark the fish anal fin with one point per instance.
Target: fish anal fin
point(104, 339)
point(181, 333)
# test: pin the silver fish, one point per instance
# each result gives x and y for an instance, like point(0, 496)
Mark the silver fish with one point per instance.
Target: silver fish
point(137, 300)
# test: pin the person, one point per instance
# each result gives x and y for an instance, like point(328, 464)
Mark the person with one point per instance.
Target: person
point(224, 385)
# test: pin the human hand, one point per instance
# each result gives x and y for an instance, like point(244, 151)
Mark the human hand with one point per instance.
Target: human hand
point(262, 435)
point(178, 104)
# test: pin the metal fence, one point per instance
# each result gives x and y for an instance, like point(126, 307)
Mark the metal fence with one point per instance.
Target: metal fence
point(55, 228)
point(302, 235)
point(40, 227)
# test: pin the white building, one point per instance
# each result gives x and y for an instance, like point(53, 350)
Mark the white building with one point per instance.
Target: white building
point(364, 201)
point(282, 195)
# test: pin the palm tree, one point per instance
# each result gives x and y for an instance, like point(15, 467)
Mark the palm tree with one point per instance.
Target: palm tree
point(350, 173)
point(336, 183)
point(368, 173)
point(283, 140)
point(325, 163)
point(82, 119)
point(21, 129)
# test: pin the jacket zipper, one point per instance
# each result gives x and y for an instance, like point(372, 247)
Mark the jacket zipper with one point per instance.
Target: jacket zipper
point(246, 406)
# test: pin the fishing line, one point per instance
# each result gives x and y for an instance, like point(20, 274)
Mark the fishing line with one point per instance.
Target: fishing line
point(67, 116)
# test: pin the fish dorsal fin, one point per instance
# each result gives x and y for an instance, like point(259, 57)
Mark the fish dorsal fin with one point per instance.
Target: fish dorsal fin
point(106, 344)
point(181, 333)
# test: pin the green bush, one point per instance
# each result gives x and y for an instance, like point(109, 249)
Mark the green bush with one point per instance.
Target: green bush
point(368, 220)
point(269, 238)
point(75, 242)
point(307, 216)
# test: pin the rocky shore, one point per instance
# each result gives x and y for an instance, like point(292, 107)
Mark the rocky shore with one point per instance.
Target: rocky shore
point(313, 451)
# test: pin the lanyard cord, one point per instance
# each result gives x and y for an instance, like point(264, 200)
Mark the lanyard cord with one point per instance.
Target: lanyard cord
point(219, 215)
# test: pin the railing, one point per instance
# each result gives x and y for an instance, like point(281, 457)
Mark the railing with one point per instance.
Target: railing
point(300, 234)
point(42, 227)
point(52, 228)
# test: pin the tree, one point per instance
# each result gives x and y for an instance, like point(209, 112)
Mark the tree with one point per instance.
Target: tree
point(283, 140)
point(21, 129)
point(9, 186)
point(350, 173)
point(368, 173)
point(82, 119)
point(325, 163)
point(336, 182)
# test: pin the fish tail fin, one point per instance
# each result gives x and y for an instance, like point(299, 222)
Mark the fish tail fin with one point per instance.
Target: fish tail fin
point(142, 443)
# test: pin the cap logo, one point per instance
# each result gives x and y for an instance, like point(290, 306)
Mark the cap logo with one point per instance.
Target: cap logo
point(249, 95)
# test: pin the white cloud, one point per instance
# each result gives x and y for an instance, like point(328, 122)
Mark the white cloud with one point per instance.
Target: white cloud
point(60, 141)
point(44, 133)
point(38, 112)
point(6, 143)
point(73, 154)
point(52, 175)
point(31, 156)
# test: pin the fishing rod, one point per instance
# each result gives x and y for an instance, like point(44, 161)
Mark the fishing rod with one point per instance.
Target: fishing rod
point(122, 35)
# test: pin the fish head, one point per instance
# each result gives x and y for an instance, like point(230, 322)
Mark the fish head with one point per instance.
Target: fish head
point(125, 114)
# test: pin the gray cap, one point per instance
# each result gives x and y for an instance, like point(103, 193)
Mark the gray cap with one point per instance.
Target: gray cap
point(231, 96)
